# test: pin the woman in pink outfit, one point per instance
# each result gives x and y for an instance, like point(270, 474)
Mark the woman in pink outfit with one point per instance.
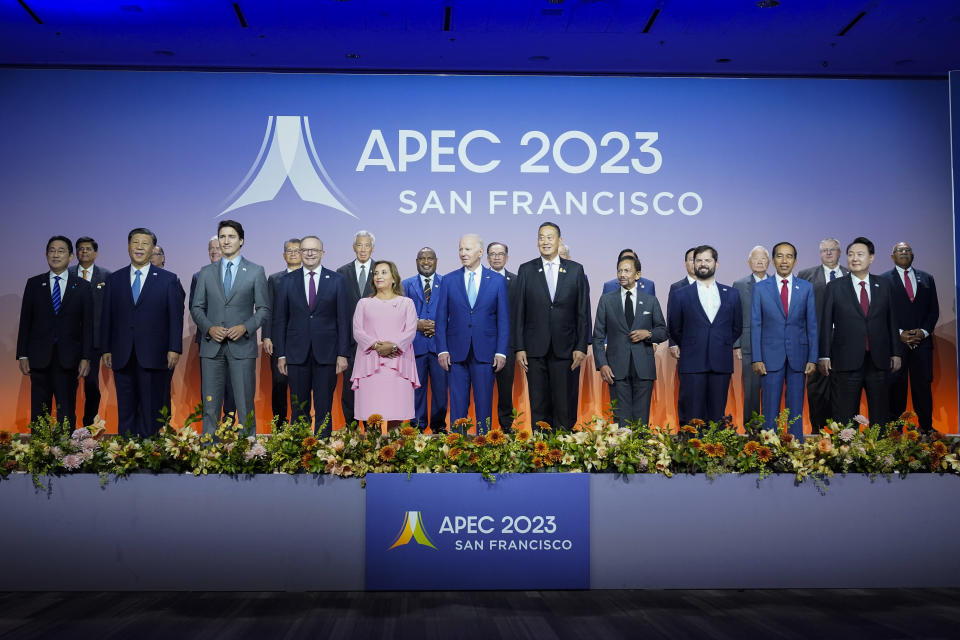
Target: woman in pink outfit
point(384, 371)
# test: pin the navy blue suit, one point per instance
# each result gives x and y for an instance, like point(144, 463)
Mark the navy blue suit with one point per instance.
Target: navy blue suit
point(311, 340)
point(706, 350)
point(643, 286)
point(425, 350)
point(473, 336)
point(138, 336)
point(784, 343)
point(54, 343)
point(91, 384)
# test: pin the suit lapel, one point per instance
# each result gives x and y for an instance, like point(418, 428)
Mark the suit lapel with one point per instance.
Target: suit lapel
point(238, 278)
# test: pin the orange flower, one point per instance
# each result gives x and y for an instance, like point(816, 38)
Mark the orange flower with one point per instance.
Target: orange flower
point(936, 435)
point(461, 422)
point(454, 453)
point(537, 462)
point(895, 436)
point(721, 450)
point(387, 453)
point(309, 442)
point(408, 431)
point(545, 426)
point(827, 430)
point(764, 454)
point(940, 448)
point(697, 422)
point(522, 436)
point(696, 443)
point(540, 447)
point(824, 445)
point(688, 429)
point(786, 438)
point(5, 437)
point(908, 415)
point(912, 435)
point(472, 459)
point(453, 438)
point(306, 460)
point(547, 462)
point(710, 449)
point(751, 447)
point(480, 441)
point(555, 455)
point(497, 436)
point(374, 419)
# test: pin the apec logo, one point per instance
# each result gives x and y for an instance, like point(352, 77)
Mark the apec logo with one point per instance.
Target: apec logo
point(412, 529)
point(287, 153)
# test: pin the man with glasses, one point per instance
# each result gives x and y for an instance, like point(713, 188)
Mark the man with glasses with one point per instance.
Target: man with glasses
point(497, 256)
point(278, 389)
point(87, 251)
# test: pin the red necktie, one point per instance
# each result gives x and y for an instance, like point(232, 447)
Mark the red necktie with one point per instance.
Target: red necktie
point(865, 305)
point(785, 296)
point(313, 291)
point(907, 284)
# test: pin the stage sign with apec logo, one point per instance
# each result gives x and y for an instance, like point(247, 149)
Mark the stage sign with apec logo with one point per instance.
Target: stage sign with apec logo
point(459, 531)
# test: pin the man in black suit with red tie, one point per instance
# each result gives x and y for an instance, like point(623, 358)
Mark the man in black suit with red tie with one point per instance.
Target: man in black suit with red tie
point(55, 339)
point(142, 335)
point(87, 250)
point(917, 310)
point(858, 337)
point(551, 328)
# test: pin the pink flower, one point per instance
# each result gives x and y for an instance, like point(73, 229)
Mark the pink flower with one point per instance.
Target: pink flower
point(56, 452)
point(81, 434)
point(847, 434)
point(337, 445)
point(72, 461)
point(256, 451)
point(88, 444)
point(859, 419)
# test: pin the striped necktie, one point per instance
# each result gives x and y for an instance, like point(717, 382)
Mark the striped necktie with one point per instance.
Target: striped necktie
point(57, 298)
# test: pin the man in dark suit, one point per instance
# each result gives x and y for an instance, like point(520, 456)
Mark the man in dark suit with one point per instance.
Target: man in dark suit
point(278, 387)
point(424, 290)
point(705, 320)
point(629, 323)
point(687, 280)
point(917, 310)
point(55, 339)
point(551, 328)
point(141, 336)
point(783, 319)
point(758, 260)
point(822, 389)
point(497, 255)
point(87, 250)
point(473, 332)
point(213, 252)
point(643, 285)
point(359, 283)
point(858, 337)
point(311, 331)
point(229, 305)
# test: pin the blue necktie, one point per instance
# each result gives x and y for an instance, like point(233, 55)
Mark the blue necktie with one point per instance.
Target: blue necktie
point(227, 280)
point(833, 275)
point(472, 289)
point(136, 286)
point(56, 294)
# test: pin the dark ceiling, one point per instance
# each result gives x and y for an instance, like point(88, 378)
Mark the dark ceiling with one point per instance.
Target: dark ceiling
point(687, 37)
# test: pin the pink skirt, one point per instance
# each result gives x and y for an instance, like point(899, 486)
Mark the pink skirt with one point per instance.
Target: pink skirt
point(386, 393)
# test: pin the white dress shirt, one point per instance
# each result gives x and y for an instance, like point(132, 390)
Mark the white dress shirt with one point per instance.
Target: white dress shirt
point(709, 298)
point(63, 284)
point(912, 274)
point(476, 279)
point(233, 272)
point(633, 299)
point(553, 271)
point(89, 276)
point(856, 286)
point(827, 270)
point(789, 280)
point(144, 270)
point(306, 281)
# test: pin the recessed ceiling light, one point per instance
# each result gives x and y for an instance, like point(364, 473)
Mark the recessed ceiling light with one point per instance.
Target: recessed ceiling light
point(353, 56)
point(539, 58)
point(723, 60)
point(768, 4)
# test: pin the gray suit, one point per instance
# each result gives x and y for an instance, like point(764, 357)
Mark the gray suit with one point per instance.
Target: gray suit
point(820, 389)
point(751, 381)
point(247, 304)
point(633, 364)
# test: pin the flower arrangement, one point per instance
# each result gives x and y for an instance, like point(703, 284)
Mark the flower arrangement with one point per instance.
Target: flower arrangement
point(595, 445)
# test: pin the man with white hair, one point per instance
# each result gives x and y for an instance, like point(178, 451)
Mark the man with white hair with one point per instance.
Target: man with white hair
point(359, 277)
point(759, 261)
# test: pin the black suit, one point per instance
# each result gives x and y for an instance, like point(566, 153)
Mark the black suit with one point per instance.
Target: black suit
point(844, 336)
point(354, 293)
point(55, 343)
point(278, 387)
point(820, 389)
point(922, 313)
point(505, 376)
point(549, 331)
point(91, 384)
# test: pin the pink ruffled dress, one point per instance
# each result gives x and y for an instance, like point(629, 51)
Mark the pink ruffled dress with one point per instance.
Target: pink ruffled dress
point(384, 385)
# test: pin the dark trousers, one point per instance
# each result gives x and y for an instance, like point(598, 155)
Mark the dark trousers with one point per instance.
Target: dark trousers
point(867, 378)
point(505, 391)
point(346, 390)
point(633, 398)
point(820, 398)
point(548, 380)
point(573, 395)
point(91, 391)
point(141, 394)
point(705, 395)
point(916, 369)
point(468, 374)
point(318, 380)
point(430, 374)
point(50, 384)
point(278, 392)
point(751, 386)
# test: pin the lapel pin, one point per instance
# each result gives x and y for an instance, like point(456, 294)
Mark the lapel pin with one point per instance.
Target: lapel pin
point(326, 276)
point(44, 284)
point(539, 270)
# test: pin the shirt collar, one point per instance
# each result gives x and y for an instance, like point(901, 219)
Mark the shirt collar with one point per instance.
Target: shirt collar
point(857, 281)
point(235, 261)
point(63, 276)
point(358, 264)
point(144, 270)
point(555, 261)
point(477, 271)
point(756, 279)
point(702, 285)
point(789, 279)
point(901, 270)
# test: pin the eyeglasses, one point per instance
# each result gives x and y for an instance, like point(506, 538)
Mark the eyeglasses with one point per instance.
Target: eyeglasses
point(292, 251)
point(311, 252)
point(499, 254)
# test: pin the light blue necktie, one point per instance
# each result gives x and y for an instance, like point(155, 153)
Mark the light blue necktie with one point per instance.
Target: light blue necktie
point(57, 298)
point(227, 280)
point(551, 285)
point(472, 289)
point(136, 286)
